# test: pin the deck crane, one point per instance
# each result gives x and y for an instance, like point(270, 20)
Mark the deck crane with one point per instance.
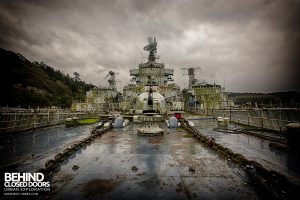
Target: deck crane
point(191, 74)
point(112, 79)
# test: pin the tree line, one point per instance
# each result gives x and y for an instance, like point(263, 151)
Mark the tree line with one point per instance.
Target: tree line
point(24, 83)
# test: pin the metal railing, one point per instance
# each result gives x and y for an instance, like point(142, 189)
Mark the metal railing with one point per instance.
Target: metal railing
point(16, 119)
point(264, 118)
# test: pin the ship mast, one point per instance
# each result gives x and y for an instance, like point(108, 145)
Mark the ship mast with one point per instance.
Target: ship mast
point(151, 47)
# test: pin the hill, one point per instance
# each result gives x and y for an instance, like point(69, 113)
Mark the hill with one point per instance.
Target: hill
point(24, 83)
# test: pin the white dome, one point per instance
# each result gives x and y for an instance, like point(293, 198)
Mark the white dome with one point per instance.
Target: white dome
point(157, 97)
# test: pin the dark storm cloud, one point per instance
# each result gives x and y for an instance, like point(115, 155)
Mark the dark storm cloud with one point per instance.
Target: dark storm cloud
point(248, 45)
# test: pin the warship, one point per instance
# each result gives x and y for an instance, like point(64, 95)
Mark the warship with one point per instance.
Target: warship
point(152, 91)
point(203, 159)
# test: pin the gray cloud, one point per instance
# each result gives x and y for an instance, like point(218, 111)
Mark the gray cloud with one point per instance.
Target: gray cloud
point(248, 45)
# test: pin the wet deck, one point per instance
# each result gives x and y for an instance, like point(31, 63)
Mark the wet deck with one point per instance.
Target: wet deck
point(31, 149)
point(255, 149)
point(123, 165)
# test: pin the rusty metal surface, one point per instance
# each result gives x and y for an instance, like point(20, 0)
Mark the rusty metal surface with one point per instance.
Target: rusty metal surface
point(123, 165)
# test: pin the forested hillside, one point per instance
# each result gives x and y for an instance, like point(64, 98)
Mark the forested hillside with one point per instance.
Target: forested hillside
point(35, 84)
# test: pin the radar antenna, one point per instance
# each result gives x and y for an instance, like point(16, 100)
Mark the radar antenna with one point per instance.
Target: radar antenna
point(112, 79)
point(151, 47)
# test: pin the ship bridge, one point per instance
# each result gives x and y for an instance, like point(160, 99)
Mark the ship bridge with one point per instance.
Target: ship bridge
point(156, 71)
point(151, 71)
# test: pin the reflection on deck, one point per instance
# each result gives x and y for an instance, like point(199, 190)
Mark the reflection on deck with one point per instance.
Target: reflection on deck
point(127, 166)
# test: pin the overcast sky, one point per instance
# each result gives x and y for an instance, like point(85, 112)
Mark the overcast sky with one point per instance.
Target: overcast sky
point(250, 46)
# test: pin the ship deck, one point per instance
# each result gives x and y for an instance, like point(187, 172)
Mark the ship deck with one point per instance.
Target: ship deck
point(122, 165)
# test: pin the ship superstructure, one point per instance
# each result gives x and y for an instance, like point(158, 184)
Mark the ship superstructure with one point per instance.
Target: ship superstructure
point(204, 96)
point(101, 98)
point(151, 72)
point(151, 90)
point(152, 77)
